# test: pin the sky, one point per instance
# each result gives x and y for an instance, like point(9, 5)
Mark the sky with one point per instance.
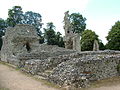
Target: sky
point(101, 15)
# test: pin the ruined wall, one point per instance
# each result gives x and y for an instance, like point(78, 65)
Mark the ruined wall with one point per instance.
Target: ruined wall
point(44, 52)
point(71, 39)
point(76, 68)
point(17, 40)
point(89, 68)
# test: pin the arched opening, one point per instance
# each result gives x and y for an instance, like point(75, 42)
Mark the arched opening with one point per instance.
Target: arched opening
point(28, 47)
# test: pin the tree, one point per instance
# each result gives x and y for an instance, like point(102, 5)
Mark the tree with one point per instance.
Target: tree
point(15, 16)
point(49, 34)
point(113, 37)
point(101, 45)
point(59, 40)
point(87, 40)
point(34, 19)
point(78, 22)
point(3, 26)
point(51, 37)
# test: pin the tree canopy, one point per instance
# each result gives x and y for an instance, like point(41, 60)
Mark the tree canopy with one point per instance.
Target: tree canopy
point(34, 19)
point(78, 22)
point(87, 40)
point(3, 26)
point(15, 16)
point(114, 37)
point(51, 37)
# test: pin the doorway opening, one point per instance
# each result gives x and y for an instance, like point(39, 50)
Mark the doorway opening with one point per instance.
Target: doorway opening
point(27, 45)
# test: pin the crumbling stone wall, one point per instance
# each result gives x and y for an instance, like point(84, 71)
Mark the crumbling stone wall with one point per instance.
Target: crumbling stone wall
point(18, 39)
point(88, 68)
point(44, 52)
point(76, 68)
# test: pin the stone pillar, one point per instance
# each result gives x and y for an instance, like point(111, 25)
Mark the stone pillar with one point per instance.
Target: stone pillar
point(78, 46)
point(76, 43)
point(96, 46)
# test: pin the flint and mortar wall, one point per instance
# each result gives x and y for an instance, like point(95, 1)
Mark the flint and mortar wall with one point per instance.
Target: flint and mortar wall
point(72, 68)
point(90, 68)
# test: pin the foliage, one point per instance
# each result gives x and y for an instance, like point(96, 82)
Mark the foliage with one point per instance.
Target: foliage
point(59, 40)
point(114, 37)
point(51, 37)
point(34, 19)
point(41, 39)
point(15, 16)
point(3, 26)
point(49, 34)
point(87, 40)
point(77, 22)
point(101, 45)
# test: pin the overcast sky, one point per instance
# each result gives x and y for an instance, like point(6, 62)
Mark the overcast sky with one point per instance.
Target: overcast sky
point(100, 14)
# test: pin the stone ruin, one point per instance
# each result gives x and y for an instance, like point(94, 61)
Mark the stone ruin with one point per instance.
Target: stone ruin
point(23, 40)
point(71, 39)
point(95, 46)
point(19, 39)
point(57, 65)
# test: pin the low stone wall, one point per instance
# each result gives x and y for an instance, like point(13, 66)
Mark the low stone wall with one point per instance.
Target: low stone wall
point(70, 68)
point(76, 68)
point(87, 68)
point(51, 62)
point(50, 56)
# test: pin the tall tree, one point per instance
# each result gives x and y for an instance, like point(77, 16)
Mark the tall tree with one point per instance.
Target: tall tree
point(59, 40)
point(49, 34)
point(87, 40)
point(3, 26)
point(78, 22)
point(114, 37)
point(34, 19)
point(15, 16)
point(51, 37)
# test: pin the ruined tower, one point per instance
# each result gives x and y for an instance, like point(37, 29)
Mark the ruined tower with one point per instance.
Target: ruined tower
point(71, 39)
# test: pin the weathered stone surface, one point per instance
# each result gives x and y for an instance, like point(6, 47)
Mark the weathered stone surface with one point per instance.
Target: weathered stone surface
point(95, 46)
point(18, 39)
point(89, 68)
point(76, 69)
point(71, 39)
